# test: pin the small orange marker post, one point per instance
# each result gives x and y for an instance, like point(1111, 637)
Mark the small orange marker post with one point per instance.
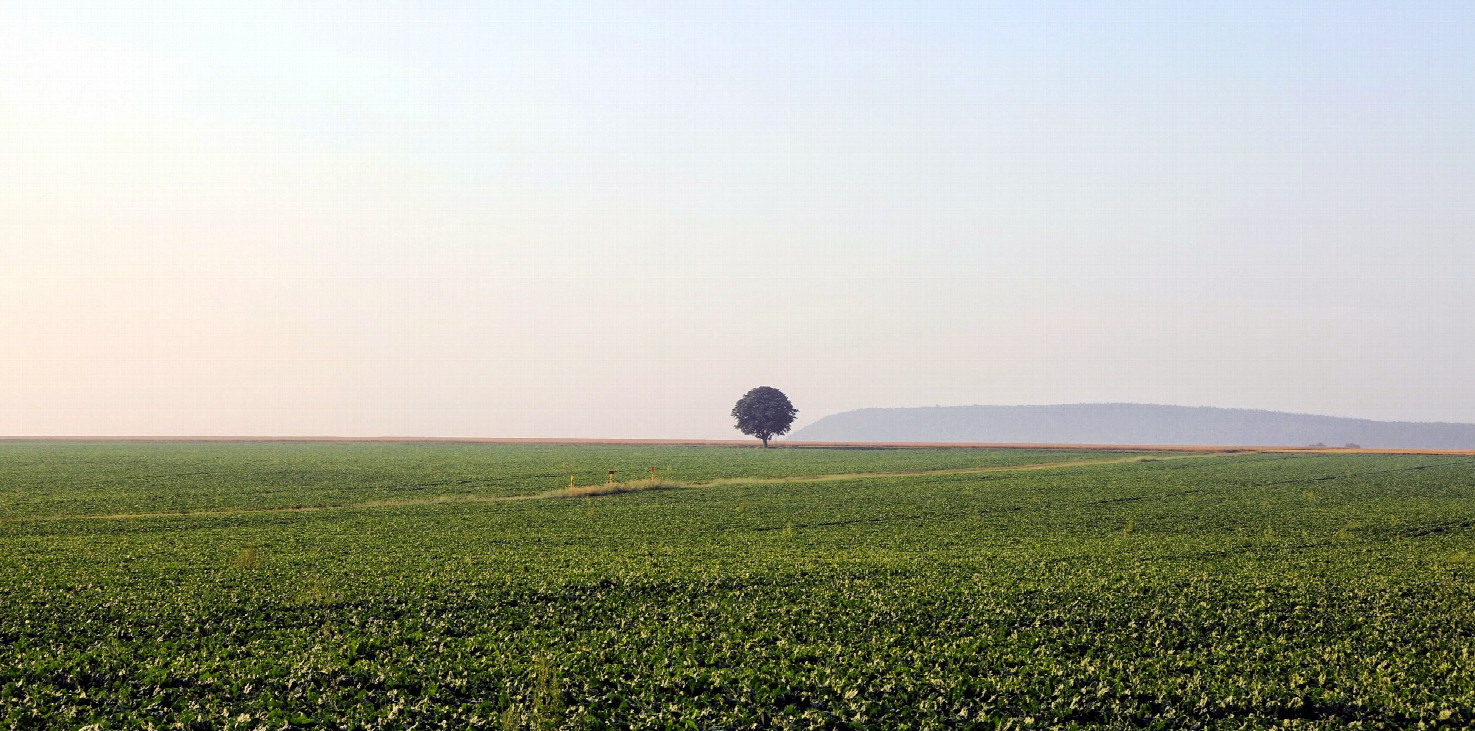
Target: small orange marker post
point(570, 482)
point(652, 475)
point(611, 477)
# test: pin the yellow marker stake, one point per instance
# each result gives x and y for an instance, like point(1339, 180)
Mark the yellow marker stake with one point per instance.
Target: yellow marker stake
point(611, 477)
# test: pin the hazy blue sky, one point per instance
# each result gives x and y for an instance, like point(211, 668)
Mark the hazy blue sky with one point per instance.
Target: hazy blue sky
point(612, 220)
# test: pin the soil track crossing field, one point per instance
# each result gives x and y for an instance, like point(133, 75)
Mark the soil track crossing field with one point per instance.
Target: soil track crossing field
point(597, 490)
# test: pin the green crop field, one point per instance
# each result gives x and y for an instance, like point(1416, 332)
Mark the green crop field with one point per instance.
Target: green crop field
point(436, 586)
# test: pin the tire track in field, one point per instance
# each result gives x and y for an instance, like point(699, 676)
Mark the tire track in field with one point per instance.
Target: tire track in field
point(607, 490)
point(839, 476)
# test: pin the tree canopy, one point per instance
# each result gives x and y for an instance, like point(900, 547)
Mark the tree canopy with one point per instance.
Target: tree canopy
point(764, 412)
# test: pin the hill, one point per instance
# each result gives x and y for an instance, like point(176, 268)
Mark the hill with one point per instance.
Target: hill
point(1129, 424)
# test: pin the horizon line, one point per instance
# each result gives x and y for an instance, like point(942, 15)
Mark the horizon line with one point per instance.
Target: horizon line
point(557, 441)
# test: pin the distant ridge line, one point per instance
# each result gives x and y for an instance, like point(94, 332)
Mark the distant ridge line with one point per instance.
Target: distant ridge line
point(1135, 424)
point(796, 444)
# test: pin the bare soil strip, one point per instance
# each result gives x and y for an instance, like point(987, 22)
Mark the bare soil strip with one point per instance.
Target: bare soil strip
point(955, 471)
point(606, 489)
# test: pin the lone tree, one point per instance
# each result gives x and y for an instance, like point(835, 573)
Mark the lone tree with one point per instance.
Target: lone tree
point(764, 412)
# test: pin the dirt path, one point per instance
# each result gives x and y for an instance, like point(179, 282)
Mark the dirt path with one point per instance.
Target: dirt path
point(954, 471)
point(601, 490)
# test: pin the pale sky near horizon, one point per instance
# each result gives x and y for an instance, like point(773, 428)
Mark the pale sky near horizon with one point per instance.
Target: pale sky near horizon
point(611, 220)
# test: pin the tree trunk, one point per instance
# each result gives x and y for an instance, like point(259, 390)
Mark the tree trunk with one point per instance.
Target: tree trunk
point(765, 442)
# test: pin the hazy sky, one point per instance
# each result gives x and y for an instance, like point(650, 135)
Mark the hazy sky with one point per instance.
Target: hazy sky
point(599, 220)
